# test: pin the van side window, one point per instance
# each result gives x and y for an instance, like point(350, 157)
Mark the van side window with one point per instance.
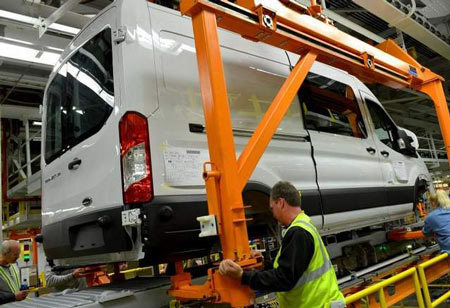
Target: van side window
point(252, 83)
point(330, 106)
point(385, 129)
point(81, 96)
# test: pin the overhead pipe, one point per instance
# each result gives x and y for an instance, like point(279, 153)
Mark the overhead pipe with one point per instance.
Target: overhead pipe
point(397, 14)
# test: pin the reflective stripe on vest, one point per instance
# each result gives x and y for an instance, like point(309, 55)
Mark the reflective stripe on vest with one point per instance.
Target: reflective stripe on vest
point(12, 282)
point(317, 287)
point(307, 277)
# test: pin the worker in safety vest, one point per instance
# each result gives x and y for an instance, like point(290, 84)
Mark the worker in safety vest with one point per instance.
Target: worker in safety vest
point(9, 273)
point(303, 274)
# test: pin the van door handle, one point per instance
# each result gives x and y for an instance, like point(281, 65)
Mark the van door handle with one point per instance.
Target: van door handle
point(74, 164)
point(385, 153)
point(371, 150)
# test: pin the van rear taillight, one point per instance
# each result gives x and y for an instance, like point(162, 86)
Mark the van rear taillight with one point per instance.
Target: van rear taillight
point(135, 158)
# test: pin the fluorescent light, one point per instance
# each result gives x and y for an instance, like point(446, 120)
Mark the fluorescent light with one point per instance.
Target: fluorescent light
point(37, 123)
point(16, 40)
point(28, 54)
point(64, 28)
point(34, 21)
point(55, 49)
point(17, 17)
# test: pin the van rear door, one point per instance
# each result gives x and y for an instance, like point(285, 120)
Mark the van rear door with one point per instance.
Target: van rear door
point(81, 154)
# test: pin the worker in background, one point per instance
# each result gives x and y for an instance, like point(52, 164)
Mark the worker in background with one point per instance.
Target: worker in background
point(303, 274)
point(9, 273)
point(438, 221)
point(67, 279)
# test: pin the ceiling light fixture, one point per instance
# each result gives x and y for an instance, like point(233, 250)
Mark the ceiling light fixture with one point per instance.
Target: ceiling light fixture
point(28, 54)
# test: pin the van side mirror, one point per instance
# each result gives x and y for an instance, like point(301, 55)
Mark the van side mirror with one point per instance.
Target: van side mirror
point(407, 142)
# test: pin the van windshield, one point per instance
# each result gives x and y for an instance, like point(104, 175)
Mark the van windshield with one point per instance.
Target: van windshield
point(81, 96)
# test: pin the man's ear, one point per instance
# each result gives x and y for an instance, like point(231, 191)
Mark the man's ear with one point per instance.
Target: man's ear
point(283, 202)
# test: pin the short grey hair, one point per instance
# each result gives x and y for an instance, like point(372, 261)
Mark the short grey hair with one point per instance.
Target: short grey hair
point(6, 246)
point(288, 192)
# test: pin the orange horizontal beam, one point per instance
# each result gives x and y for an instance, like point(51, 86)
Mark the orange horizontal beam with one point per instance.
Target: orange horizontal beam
point(299, 32)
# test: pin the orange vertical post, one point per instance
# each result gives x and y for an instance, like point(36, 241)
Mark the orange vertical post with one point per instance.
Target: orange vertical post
point(35, 250)
point(435, 90)
point(220, 135)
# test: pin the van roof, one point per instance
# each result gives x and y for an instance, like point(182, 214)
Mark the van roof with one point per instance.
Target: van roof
point(74, 45)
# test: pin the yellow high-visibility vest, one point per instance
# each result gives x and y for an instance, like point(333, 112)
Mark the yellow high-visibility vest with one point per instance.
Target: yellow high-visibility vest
point(12, 282)
point(317, 287)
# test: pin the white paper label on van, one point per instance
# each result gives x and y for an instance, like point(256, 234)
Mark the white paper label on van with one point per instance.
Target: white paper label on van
point(184, 167)
point(400, 171)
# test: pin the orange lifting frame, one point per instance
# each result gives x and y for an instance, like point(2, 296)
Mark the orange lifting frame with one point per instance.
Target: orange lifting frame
point(305, 31)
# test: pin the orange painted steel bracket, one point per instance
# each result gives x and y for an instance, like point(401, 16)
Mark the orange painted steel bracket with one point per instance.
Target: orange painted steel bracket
point(216, 289)
point(224, 178)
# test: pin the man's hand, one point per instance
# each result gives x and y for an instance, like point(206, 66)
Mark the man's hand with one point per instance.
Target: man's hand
point(21, 295)
point(79, 273)
point(256, 254)
point(231, 269)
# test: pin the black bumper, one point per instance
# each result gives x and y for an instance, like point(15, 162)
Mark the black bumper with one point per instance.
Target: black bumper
point(90, 234)
point(169, 231)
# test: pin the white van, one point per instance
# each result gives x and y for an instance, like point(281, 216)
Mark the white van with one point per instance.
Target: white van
point(124, 129)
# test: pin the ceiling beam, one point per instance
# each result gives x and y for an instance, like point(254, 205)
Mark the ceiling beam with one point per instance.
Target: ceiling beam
point(19, 112)
point(397, 18)
point(36, 10)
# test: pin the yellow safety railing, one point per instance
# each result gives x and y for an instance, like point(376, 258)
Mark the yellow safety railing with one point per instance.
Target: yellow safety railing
point(379, 287)
point(421, 267)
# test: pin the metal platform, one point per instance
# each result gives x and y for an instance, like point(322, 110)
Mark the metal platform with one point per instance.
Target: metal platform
point(141, 292)
point(30, 187)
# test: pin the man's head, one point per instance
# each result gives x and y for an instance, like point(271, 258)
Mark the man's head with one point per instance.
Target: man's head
point(285, 202)
point(10, 251)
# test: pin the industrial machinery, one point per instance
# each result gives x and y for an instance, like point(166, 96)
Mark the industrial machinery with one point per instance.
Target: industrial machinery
point(303, 30)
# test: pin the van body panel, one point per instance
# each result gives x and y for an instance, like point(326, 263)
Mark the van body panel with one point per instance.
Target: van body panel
point(245, 74)
point(137, 59)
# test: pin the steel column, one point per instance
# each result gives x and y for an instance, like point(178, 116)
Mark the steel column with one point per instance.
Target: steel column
point(436, 92)
point(220, 135)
